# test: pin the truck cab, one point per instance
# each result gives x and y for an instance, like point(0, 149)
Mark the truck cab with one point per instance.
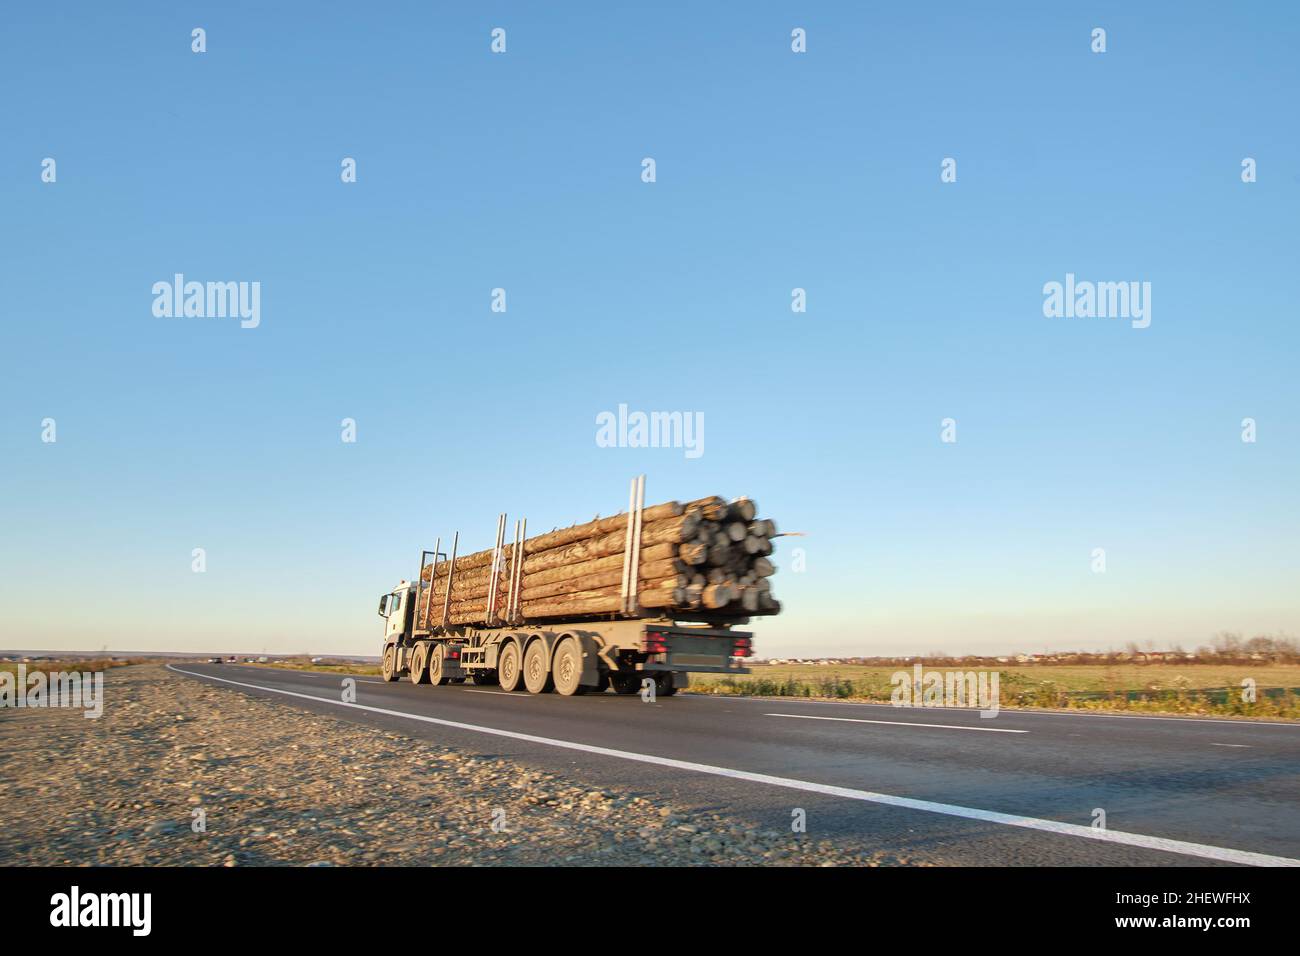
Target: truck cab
point(397, 608)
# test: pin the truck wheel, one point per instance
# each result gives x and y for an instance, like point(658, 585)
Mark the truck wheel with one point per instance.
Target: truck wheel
point(537, 676)
point(420, 664)
point(390, 664)
point(566, 668)
point(437, 673)
point(483, 678)
point(664, 685)
point(625, 683)
point(508, 670)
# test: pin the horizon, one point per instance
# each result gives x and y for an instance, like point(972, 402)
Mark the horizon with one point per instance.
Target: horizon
point(1100, 486)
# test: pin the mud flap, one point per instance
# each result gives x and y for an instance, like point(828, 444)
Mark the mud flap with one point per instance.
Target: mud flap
point(590, 660)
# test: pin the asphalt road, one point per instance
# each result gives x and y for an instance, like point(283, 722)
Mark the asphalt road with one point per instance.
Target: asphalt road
point(946, 785)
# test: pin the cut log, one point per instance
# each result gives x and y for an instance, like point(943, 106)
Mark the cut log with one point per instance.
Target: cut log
point(554, 539)
point(742, 509)
point(656, 552)
point(718, 595)
point(693, 553)
point(654, 571)
point(712, 507)
point(668, 530)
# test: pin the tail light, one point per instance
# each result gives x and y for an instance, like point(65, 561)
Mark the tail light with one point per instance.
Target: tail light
point(742, 648)
point(655, 642)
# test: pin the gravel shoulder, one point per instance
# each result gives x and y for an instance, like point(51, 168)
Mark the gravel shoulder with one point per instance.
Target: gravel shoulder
point(273, 785)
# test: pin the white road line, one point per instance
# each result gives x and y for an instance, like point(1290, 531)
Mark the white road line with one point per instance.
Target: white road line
point(901, 723)
point(1247, 746)
point(499, 693)
point(295, 670)
point(1201, 850)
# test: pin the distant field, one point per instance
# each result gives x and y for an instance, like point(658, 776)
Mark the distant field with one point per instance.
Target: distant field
point(1070, 677)
point(1167, 688)
point(346, 668)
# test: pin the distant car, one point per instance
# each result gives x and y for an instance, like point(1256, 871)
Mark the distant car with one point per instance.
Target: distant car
point(249, 660)
point(261, 660)
point(317, 660)
point(232, 660)
point(214, 660)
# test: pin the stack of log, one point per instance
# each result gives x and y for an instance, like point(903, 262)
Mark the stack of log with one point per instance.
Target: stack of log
point(706, 558)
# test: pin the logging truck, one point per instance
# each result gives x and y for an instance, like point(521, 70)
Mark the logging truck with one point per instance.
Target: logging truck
point(640, 599)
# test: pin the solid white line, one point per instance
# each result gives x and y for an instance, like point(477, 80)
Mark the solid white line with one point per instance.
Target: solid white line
point(294, 670)
point(1223, 854)
point(901, 723)
point(499, 693)
point(1247, 746)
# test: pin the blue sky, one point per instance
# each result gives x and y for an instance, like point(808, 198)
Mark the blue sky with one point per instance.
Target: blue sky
point(775, 170)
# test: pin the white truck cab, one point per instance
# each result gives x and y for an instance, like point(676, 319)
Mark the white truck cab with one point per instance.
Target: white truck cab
point(397, 608)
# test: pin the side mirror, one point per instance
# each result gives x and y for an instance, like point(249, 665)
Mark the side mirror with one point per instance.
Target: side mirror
point(383, 606)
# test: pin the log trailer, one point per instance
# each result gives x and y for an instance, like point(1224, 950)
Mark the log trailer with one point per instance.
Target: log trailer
point(586, 654)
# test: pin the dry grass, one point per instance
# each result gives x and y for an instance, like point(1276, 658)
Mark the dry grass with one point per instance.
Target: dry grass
point(350, 667)
point(1207, 689)
point(72, 664)
point(1069, 677)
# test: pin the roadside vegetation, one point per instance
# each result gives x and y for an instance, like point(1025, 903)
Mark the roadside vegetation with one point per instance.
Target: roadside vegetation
point(48, 665)
point(325, 667)
point(1180, 688)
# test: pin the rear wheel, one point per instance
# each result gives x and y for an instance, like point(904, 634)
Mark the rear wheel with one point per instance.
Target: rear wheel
point(664, 686)
point(509, 670)
point(566, 668)
point(625, 683)
point(537, 675)
point(437, 672)
point(390, 664)
point(420, 664)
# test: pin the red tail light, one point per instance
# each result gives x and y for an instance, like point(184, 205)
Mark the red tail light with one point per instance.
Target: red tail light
point(743, 648)
point(655, 642)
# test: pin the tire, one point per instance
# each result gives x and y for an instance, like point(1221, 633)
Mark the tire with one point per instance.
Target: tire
point(483, 678)
point(390, 664)
point(537, 671)
point(437, 672)
point(566, 668)
point(603, 684)
point(510, 670)
point(664, 686)
point(420, 664)
point(625, 684)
